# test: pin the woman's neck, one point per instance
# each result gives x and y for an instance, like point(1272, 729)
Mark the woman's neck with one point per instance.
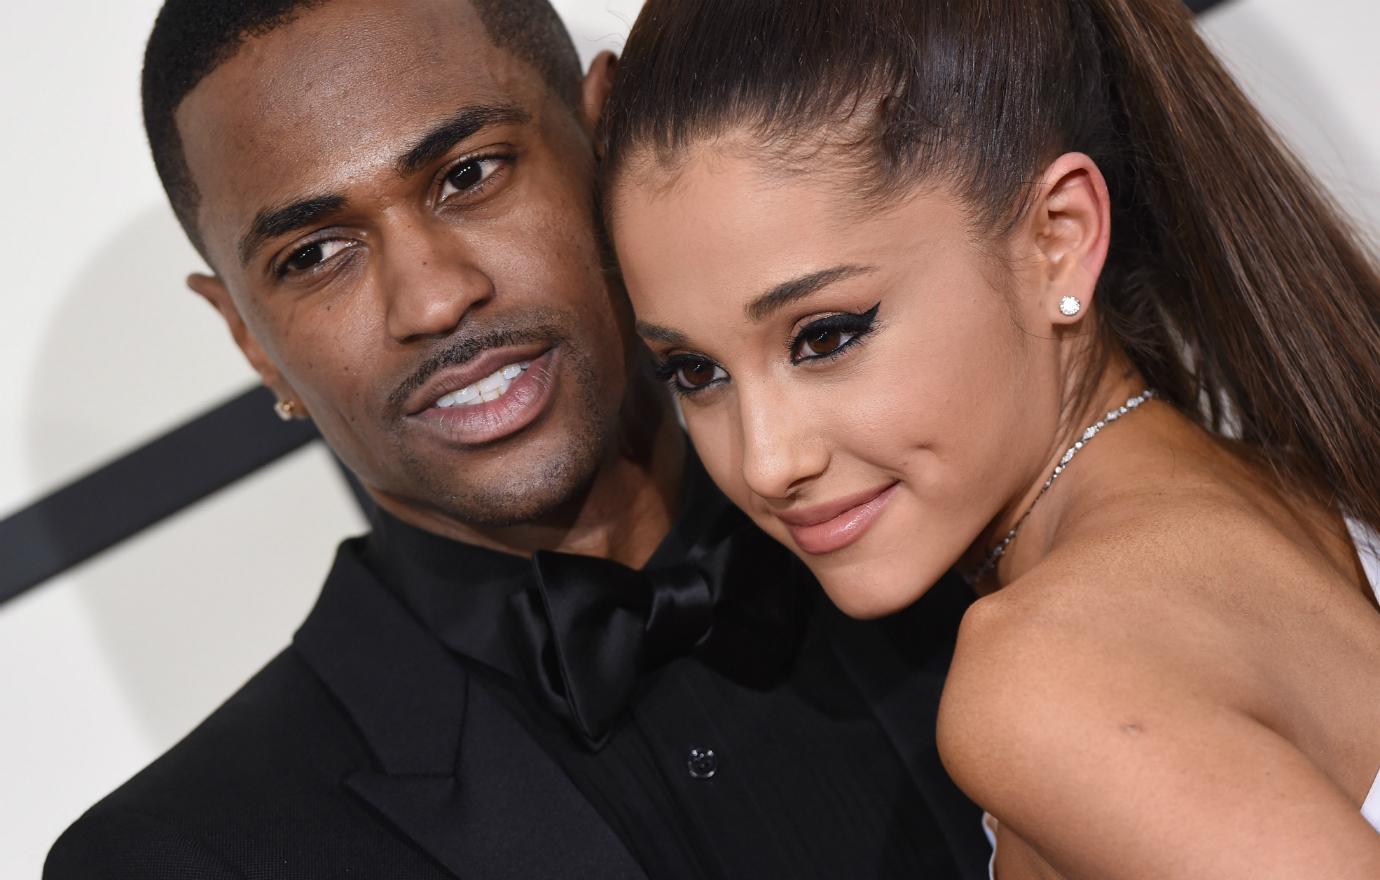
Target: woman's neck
point(1038, 514)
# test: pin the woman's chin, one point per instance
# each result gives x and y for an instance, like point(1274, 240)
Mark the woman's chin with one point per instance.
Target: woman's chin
point(865, 597)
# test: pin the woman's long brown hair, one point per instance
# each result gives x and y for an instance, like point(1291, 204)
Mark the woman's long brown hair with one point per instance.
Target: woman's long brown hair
point(1233, 284)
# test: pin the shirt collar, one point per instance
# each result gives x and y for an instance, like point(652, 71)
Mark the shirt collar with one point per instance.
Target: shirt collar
point(459, 591)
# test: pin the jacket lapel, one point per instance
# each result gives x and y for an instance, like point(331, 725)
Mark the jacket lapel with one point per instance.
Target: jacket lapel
point(899, 665)
point(455, 772)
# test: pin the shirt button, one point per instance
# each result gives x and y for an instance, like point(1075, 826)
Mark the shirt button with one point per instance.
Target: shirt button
point(702, 764)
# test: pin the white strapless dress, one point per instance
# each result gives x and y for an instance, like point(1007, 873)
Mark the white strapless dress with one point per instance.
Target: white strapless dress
point(1368, 549)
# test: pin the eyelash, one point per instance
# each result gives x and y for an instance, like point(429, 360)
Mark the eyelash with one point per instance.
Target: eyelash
point(669, 372)
point(859, 325)
point(282, 270)
point(506, 160)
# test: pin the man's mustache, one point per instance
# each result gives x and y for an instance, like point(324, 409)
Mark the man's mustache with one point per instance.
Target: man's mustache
point(465, 348)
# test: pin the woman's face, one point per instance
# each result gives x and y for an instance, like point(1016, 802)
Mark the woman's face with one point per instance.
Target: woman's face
point(865, 385)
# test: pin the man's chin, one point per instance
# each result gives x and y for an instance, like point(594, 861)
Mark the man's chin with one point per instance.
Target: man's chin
point(530, 486)
point(536, 505)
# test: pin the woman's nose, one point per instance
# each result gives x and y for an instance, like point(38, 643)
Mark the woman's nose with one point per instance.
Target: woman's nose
point(783, 450)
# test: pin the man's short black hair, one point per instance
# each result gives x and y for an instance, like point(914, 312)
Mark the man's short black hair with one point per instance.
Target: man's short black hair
point(191, 38)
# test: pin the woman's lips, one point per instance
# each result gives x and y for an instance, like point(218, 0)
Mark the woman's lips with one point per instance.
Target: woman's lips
point(526, 399)
point(829, 528)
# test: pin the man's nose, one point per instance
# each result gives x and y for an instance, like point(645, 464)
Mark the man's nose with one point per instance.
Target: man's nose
point(431, 282)
point(783, 448)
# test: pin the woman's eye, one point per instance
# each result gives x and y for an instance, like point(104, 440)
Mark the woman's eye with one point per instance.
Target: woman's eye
point(469, 176)
point(822, 342)
point(310, 256)
point(695, 375)
point(830, 336)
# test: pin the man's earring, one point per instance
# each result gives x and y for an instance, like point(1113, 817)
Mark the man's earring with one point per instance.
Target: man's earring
point(286, 410)
point(1070, 307)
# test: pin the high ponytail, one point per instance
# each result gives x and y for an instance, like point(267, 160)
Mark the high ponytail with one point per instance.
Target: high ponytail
point(1233, 285)
point(1269, 295)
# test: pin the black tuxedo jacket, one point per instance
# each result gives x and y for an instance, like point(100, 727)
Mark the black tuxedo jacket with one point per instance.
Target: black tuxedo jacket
point(366, 750)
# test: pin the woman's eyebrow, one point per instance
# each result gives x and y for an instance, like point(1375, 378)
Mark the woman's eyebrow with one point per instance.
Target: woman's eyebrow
point(765, 305)
point(657, 333)
point(798, 288)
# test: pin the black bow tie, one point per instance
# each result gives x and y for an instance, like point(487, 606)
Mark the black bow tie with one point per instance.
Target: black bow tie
point(587, 629)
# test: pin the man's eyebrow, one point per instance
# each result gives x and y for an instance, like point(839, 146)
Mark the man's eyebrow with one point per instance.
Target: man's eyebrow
point(657, 333)
point(799, 288)
point(272, 222)
point(466, 123)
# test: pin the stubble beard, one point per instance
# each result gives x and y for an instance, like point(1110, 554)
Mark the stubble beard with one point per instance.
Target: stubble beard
point(532, 492)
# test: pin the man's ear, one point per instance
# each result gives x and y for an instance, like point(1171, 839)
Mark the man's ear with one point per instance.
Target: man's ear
point(214, 291)
point(594, 90)
point(1070, 224)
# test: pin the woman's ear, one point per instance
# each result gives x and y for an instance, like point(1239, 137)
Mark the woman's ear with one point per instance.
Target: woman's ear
point(1070, 226)
point(214, 291)
point(594, 90)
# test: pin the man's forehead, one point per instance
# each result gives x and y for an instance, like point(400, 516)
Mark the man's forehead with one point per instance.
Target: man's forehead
point(335, 92)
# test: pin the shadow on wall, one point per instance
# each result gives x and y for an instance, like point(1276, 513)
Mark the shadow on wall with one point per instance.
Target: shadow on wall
point(185, 612)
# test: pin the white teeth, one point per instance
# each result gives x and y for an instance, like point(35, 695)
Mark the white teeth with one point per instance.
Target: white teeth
point(466, 395)
point(490, 388)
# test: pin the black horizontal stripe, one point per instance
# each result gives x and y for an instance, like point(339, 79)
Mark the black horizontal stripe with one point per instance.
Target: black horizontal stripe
point(1203, 5)
point(143, 488)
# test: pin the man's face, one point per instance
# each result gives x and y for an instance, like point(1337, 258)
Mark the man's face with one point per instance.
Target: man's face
point(401, 218)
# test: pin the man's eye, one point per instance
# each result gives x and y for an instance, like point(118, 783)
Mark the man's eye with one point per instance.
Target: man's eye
point(469, 176)
point(310, 256)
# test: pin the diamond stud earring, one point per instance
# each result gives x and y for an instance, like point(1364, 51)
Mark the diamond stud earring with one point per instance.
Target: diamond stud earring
point(285, 409)
point(1070, 307)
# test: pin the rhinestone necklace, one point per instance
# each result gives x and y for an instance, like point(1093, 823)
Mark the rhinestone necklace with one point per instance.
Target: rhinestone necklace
point(1092, 431)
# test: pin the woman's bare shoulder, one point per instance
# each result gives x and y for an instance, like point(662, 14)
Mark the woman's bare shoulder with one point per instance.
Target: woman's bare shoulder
point(1196, 574)
point(1116, 685)
point(1178, 601)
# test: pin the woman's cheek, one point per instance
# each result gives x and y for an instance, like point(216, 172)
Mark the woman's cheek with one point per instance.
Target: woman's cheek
point(719, 446)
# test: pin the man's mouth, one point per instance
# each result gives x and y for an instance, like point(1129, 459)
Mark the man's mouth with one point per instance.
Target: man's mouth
point(484, 378)
point(488, 389)
point(516, 389)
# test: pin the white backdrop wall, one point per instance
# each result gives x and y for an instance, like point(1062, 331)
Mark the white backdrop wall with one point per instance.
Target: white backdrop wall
point(102, 349)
